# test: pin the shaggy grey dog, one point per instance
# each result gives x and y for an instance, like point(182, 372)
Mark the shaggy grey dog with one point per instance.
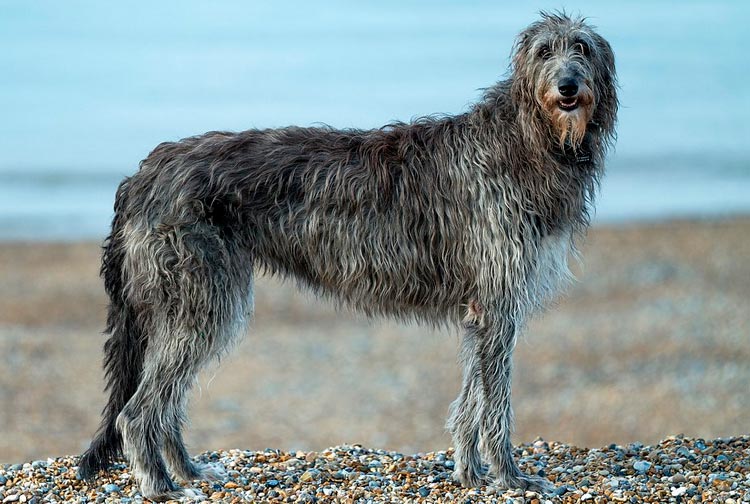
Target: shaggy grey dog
point(466, 219)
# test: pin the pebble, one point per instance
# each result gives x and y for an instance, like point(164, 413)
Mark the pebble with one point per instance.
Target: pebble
point(641, 466)
point(678, 478)
point(353, 473)
point(679, 492)
point(308, 475)
point(111, 487)
point(561, 490)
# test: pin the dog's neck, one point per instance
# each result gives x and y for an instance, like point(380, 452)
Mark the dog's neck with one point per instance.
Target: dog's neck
point(565, 180)
point(582, 154)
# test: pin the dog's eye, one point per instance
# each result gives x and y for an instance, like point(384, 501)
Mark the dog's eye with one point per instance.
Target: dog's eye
point(582, 48)
point(544, 52)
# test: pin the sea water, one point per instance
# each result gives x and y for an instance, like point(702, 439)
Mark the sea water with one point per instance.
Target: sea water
point(87, 89)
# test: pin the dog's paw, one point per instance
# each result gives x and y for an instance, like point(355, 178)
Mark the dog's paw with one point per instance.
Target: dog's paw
point(212, 472)
point(526, 482)
point(180, 494)
point(193, 494)
point(471, 477)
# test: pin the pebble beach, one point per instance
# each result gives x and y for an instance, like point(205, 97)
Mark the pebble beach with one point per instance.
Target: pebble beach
point(678, 469)
point(652, 340)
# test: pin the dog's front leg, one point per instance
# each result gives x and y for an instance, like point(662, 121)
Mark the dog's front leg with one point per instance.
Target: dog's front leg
point(495, 353)
point(465, 412)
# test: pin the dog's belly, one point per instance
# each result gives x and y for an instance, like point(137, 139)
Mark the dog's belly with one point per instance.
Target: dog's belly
point(378, 272)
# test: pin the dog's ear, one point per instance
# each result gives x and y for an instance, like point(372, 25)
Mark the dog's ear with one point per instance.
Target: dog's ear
point(605, 52)
point(518, 53)
point(606, 79)
point(522, 46)
point(519, 59)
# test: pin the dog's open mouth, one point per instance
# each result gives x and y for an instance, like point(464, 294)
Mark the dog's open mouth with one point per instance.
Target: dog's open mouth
point(568, 103)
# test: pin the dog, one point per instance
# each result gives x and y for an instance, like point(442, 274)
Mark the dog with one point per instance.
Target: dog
point(461, 220)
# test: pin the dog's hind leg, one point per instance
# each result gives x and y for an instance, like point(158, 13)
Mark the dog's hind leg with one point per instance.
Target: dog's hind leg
point(153, 411)
point(177, 457)
point(196, 286)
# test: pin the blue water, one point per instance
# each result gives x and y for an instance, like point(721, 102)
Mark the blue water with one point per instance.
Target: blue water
point(88, 88)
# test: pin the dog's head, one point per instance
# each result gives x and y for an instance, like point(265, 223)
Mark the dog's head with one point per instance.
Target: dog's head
point(565, 70)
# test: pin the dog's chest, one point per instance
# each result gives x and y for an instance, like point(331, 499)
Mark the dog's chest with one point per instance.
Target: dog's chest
point(549, 271)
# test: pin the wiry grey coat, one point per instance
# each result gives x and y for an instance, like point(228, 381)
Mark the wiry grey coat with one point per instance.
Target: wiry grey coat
point(465, 219)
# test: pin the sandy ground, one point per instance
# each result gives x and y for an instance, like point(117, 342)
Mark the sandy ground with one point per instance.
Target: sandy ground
point(653, 340)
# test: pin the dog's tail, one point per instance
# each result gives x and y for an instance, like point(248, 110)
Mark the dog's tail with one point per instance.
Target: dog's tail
point(123, 351)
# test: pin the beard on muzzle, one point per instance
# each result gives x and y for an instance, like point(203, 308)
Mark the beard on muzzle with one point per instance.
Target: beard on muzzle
point(569, 115)
point(570, 126)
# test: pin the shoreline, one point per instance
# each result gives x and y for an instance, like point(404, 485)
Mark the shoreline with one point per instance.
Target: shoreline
point(611, 223)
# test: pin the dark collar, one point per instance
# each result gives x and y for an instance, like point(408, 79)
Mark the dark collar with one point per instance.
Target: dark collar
point(580, 155)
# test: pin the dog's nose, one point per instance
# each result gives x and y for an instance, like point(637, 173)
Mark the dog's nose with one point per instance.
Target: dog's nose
point(567, 87)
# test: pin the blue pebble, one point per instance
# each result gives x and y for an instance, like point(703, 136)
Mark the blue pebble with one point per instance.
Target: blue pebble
point(641, 466)
point(636, 447)
point(561, 490)
point(442, 476)
point(450, 464)
point(424, 491)
point(683, 452)
point(111, 487)
point(272, 483)
point(3, 480)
